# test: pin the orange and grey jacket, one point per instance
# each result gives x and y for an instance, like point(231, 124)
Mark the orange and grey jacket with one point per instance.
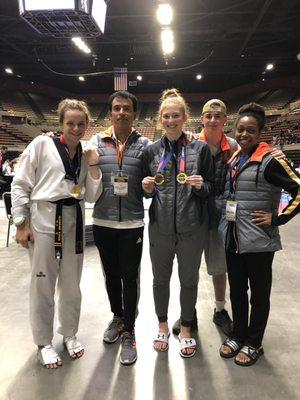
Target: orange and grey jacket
point(258, 185)
point(228, 146)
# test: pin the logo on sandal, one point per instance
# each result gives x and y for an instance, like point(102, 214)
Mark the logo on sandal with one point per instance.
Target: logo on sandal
point(40, 275)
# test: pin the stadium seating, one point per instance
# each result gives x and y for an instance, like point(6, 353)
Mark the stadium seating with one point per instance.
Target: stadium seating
point(282, 127)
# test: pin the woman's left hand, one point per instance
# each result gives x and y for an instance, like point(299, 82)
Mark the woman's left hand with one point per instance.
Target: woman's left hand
point(277, 153)
point(195, 180)
point(260, 217)
point(91, 156)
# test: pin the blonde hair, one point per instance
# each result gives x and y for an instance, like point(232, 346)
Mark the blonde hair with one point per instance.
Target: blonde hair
point(171, 97)
point(169, 93)
point(72, 104)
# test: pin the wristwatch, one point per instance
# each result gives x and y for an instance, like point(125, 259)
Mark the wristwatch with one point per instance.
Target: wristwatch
point(18, 221)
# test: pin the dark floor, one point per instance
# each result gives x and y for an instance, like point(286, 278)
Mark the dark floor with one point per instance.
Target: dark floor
point(98, 375)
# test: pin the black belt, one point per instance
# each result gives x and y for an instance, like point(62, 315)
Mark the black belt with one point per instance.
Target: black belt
point(58, 226)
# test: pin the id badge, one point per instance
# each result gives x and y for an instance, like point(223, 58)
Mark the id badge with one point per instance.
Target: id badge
point(231, 206)
point(120, 184)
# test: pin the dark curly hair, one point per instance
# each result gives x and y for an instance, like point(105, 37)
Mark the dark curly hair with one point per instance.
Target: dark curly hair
point(253, 110)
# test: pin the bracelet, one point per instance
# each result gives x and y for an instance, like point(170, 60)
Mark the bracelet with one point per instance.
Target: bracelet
point(93, 165)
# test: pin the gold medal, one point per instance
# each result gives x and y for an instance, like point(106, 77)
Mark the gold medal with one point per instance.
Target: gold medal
point(75, 192)
point(159, 179)
point(181, 178)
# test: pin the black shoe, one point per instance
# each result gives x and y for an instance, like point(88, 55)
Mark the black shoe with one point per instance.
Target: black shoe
point(222, 319)
point(177, 325)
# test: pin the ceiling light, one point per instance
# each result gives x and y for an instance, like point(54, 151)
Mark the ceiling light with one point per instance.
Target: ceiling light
point(167, 40)
point(76, 39)
point(81, 44)
point(298, 56)
point(269, 67)
point(139, 78)
point(81, 78)
point(199, 76)
point(131, 58)
point(164, 14)
point(8, 70)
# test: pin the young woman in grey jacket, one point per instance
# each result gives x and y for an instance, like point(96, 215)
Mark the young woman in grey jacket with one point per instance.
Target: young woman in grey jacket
point(179, 174)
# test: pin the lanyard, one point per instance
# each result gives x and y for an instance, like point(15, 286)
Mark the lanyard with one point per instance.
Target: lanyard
point(120, 148)
point(120, 152)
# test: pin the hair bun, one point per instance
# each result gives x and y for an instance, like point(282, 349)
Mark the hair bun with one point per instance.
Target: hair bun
point(170, 93)
point(255, 110)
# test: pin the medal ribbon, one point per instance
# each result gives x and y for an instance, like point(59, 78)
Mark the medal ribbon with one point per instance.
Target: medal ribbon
point(182, 161)
point(164, 161)
point(72, 167)
point(75, 163)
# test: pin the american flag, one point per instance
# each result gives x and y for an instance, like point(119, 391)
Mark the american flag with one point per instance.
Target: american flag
point(120, 78)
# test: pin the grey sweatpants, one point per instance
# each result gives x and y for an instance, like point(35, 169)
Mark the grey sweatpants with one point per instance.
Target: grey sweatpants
point(214, 253)
point(46, 270)
point(188, 248)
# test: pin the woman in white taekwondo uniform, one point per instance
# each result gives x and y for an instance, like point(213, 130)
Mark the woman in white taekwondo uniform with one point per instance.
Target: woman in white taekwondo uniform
point(54, 178)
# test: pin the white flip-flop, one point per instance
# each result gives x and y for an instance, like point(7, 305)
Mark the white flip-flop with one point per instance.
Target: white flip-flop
point(73, 346)
point(47, 355)
point(163, 338)
point(187, 343)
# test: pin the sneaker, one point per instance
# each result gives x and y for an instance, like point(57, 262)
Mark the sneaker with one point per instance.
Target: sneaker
point(222, 319)
point(128, 352)
point(177, 325)
point(113, 331)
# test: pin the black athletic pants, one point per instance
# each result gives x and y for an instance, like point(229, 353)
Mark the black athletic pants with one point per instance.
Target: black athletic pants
point(254, 270)
point(120, 252)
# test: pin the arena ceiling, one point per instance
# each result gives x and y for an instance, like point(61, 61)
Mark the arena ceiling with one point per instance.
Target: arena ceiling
point(229, 42)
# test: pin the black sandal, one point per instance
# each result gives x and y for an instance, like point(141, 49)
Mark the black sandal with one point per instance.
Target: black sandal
point(234, 347)
point(250, 352)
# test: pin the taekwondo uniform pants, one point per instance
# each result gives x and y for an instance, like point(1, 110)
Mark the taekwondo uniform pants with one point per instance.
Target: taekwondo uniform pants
point(46, 271)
